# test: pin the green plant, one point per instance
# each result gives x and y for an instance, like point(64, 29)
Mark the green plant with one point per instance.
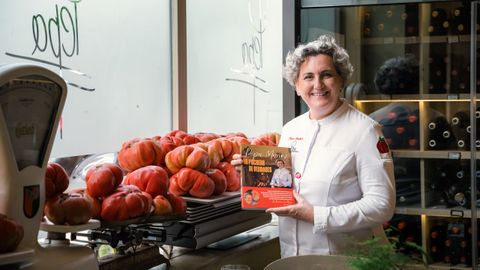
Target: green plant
point(375, 254)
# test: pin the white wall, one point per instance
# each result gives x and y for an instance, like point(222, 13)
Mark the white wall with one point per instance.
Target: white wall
point(218, 32)
point(124, 50)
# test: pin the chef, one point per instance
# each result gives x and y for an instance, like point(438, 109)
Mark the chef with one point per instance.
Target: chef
point(342, 167)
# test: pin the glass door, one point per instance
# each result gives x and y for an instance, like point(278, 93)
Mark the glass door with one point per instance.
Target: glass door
point(416, 75)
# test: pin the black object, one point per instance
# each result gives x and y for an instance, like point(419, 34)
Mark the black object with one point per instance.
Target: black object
point(413, 131)
point(460, 119)
point(437, 69)
point(439, 24)
point(460, 23)
point(437, 240)
point(398, 75)
point(410, 20)
point(440, 135)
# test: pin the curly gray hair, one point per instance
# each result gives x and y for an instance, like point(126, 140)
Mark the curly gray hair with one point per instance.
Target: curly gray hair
point(325, 44)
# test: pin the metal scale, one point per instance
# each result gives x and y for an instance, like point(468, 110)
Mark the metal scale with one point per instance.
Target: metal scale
point(31, 102)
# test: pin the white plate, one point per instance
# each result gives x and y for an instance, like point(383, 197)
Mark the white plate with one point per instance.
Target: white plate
point(17, 256)
point(48, 226)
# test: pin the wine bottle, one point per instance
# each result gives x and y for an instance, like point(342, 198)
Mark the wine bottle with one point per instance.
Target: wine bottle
point(392, 21)
point(469, 129)
point(459, 74)
point(460, 119)
point(413, 131)
point(460, 21)
point(464, 84)
point(367, 31)
point(410, 20)
point(436, 252)
point(446, 134)
point(459, 122)
point(463, 139)
point(454, 80)
point(437, 235)
point(438, 22)
point(464, 251)
point(440, 135)
point(367, 24)
point(389, 129)
point(398, 113)
point(380, 27)
point(447, 256)
point(456, 190)
point(447, 171)
point(437, 69)
point(458, 195)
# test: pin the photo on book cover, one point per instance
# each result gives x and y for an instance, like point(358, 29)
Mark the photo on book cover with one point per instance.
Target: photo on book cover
point(266, 177)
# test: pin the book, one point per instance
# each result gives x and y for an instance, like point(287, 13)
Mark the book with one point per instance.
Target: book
point(266, 177)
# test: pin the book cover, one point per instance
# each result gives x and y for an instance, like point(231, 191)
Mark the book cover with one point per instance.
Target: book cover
point(266, 177)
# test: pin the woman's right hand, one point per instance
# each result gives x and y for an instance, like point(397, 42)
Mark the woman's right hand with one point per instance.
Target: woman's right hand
point(237, 162)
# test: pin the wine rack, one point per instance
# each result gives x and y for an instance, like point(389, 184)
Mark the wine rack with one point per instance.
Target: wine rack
point(413, 75)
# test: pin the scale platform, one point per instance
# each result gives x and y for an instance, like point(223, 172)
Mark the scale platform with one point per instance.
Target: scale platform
point(17, 258)
point(210, 220)
point(48, 226)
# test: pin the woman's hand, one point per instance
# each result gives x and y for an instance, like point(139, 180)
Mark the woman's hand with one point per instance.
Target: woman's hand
point(302, 210)
point(237, 162)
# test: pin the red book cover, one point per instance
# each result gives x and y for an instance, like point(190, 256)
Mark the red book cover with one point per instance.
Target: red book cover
point(266, 175)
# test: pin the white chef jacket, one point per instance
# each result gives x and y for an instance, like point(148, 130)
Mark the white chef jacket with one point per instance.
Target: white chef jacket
point(281, 178)
point(339, 170)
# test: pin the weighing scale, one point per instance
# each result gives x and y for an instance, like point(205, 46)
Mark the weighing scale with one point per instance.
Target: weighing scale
point(31, 101)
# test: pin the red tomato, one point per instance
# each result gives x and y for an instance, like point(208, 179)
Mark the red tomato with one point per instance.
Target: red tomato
point(138, 153)
point(95, 203)
point(162, 205)
point(151, 179)
point(71, 209)
point(103, 179)
point(270, 138)
point(215, 152)
point(233, 178)
point(11, 234)
point(227, 147)
point(192, 181)
point(126, 202)
point(206, 136)
point(56, 180)
point(187, 156)
point(179, 205)
point(220, 180)
point(174, 188)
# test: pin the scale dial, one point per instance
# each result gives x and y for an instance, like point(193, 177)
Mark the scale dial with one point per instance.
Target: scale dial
point(28, 105)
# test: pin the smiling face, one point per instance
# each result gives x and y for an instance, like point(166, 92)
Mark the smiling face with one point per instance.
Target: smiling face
point(319, 85)
point(280, 164)
point(248, 198)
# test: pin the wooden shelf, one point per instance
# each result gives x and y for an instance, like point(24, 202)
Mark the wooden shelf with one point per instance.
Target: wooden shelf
point(416, 39)
point(435, 212)
point(379, 98)
point(434, 154)
point(448, 266)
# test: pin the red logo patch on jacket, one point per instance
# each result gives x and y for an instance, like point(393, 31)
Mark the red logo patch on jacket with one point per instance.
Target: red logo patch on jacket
point(382, 147)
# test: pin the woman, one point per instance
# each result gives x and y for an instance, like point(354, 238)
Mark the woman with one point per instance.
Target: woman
point(343, 171)
point(281, 176)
